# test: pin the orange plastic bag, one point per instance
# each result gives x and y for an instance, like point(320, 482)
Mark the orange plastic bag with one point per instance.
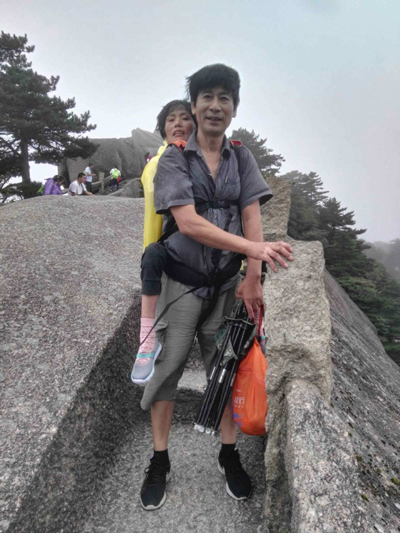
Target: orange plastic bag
point(249, 399)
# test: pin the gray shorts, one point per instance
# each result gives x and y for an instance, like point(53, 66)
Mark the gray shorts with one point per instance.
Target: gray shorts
point(176, 332)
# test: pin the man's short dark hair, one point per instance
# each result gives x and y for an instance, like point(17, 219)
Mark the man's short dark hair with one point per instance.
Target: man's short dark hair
point(90, 165)
point(213, 76)
point(170, 108)
point(81, 174)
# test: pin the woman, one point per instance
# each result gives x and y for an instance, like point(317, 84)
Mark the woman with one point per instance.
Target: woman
point(53, 185)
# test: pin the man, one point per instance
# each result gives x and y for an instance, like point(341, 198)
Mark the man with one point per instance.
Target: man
point(89, 176)
point(227, 187)
point(77, 188)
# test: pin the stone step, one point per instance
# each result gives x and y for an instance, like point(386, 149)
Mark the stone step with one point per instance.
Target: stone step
point(196, 495)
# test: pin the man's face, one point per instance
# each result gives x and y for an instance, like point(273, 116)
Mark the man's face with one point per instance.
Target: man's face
point(179, 125)
point(80, 180)
point(214, 110)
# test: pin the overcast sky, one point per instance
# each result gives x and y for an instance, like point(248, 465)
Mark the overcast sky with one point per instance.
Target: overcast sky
point(320, 78)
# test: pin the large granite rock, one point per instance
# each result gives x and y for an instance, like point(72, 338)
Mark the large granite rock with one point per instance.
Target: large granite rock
point(120, 153)
point(275, 213)
point(366, 397)
point(299, 333)
point(147, 141)
point(70, 303)
point(127, 154)
point(131, 189)
point(320, 464)
point(332, 458)
point(70, 297)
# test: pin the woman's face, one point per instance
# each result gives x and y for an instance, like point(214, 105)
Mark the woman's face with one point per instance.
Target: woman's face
point(179, 125)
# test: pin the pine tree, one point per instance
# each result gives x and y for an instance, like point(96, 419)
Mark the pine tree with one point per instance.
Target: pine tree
point(34, 126)
point(306, 200)
point(268, 162)
point(343, 249)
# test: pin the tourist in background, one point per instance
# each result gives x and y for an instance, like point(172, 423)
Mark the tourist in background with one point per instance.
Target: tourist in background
point(115, 178)
point(53, 185)
point(77, 187)
point(89, 176)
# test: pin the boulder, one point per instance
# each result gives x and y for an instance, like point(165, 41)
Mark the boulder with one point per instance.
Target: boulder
point(321, 465)
point(145, 141)
point(366, 397)
point(126, 154)
point(131, 189)
point(299, 334)
point(119, 153)
point(275, 213)
point(70, 291)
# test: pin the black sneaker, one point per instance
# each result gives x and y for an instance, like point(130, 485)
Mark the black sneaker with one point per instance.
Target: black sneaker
point(152, 495)
point(238, 484)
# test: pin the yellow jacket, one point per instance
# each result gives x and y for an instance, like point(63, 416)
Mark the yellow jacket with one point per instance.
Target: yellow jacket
point(152, 230)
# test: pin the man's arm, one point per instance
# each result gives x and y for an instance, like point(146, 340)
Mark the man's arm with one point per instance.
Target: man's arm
point(199, 229)
point(250, 290)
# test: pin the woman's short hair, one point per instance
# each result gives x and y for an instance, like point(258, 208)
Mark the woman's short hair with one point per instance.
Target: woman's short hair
point(170, 108)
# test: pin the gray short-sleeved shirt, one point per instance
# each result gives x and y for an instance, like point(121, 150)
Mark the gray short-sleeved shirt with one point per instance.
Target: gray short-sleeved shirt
point(183, 178)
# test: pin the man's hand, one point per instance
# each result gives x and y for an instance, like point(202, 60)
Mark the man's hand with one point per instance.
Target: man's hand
point(250, 291)
point(271, 252)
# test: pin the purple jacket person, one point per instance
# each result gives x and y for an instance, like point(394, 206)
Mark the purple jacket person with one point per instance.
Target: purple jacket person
point(53, 185)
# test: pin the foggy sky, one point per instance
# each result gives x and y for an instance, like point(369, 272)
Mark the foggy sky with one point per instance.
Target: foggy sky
point(320, 78)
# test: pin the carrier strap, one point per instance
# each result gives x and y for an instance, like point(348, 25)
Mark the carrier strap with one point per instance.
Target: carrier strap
point(218, 280)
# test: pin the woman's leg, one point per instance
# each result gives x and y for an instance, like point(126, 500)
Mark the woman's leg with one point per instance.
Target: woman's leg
point(153, 262)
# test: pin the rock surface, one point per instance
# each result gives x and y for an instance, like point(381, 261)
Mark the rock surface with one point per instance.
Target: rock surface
point(70, 296)
point(196, 496)
point(119, 153)
point(321, 465)
point(299, 334)
point(366, 397)
point(126, 154)
point(131, 189)
point(70, 303)
point(275, 213)
point(145, 141)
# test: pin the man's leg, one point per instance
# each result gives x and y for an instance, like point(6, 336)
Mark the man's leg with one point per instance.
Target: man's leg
point(161, 417)
point(228, 427)
point(176, 332)
point(238, 484)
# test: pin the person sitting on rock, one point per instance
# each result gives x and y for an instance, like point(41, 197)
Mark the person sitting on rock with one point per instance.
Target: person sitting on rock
point(115, 178)
point(175, 122)
point(77, 187)
point(53, 185)
point(227, 189)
